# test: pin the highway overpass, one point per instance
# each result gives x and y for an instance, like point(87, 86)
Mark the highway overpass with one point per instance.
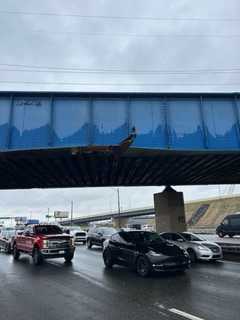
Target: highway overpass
point(54, 140)
point(109, 215)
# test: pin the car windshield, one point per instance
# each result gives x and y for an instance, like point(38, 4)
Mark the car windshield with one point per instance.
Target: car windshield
point(48, 230)
point(191, 237)
point(145, 237)
point(107, 231)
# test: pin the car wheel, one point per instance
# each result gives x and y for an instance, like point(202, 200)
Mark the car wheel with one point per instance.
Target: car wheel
point(8, 248)
point(89, 244)
point(16, 253)
point(221, 234)
point(37, 257)
point(143, 267)
point(192, 255)
point(69, 257)
point(107, 258)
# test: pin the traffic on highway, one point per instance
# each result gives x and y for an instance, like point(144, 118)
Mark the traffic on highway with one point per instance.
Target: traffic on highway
point(103, 263)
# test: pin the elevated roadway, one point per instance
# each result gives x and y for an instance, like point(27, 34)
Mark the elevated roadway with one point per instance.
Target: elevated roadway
point(109, 215)
point(54, 140)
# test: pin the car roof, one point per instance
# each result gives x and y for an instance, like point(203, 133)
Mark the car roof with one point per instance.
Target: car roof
point(235, 215)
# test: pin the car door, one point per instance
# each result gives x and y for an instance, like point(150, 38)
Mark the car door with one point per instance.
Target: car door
point(226, 225)
point(235, 225)
point(127, 249)
point(98, 233)
point(26, 239)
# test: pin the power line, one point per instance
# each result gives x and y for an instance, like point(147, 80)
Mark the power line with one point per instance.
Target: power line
point(136, 35)
point(116, 70)
point(119, 72)
point(116, 84)
point(75, 15)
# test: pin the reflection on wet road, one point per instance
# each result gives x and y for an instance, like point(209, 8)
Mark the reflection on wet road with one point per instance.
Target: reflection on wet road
point(86, 290)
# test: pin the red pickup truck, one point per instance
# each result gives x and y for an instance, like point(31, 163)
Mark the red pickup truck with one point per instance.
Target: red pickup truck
point(43, 241)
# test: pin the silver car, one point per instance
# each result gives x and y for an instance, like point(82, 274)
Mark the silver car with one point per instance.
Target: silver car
point(197, 247)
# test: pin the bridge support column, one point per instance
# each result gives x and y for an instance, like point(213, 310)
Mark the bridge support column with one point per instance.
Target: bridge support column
point(169, 211)
point(119, 223)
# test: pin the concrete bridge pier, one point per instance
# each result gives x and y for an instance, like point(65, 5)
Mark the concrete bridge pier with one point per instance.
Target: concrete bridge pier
point(120, 222)
point(169, 211)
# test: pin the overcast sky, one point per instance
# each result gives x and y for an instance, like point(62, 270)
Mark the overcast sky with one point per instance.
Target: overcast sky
point(193, 44)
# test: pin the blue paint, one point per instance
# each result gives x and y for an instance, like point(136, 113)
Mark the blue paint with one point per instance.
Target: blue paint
point(147, 116)
point(70, 122)
point(30, 123)
point(5, 105)
point(185, 124)
point(109, 121)
point(220, 123)
point(175, 122)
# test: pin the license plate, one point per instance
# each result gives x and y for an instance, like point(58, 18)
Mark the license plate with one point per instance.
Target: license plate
point(61, 252)
point(170, 264)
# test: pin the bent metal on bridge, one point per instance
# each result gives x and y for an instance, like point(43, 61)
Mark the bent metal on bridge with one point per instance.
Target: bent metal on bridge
point(53, 140)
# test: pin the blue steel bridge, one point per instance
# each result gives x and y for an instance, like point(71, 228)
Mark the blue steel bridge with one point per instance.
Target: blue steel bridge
point(52, 140)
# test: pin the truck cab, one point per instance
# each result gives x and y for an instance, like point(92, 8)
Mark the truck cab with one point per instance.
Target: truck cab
point(44, 241)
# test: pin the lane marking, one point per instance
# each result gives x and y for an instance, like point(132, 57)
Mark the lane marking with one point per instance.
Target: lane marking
point(230, 262)
point(184, 314)
point(85, 277)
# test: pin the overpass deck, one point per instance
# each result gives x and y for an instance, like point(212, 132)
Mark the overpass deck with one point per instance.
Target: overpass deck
point(51, 140)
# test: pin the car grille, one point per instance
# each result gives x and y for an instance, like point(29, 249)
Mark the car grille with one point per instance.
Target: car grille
point(80, 234)
point(212, 247)
point(58, 244)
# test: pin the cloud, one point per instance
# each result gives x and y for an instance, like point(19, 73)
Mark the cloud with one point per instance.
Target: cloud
point(22, 43)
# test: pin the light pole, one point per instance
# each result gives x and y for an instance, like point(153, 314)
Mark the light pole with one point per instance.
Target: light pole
point(118, 197)
point(71, 212)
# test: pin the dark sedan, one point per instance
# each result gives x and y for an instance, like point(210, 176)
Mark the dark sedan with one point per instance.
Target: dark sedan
point(97, 235)
point(145, 252)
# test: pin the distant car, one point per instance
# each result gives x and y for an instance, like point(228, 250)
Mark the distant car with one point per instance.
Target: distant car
point(144, 251)
point(97, 235)
point(6, 237)
point(229, 226)
point(79, 236)
point(197, 247)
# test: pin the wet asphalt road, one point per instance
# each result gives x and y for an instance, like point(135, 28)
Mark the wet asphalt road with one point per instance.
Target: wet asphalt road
point(86, 290)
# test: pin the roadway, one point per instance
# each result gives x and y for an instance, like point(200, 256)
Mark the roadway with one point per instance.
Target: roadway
point(86, 290)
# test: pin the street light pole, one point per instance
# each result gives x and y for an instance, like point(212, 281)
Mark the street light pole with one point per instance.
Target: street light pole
point(118, 195)
point(71, 212)
point(119, 208)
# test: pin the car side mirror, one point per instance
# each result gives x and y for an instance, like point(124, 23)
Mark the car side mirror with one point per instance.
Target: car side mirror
point(180, 240)
point(100, 234)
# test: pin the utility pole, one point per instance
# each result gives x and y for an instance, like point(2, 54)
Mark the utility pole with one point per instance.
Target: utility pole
point(71, 212)
point(118, 195)
point(119, 208)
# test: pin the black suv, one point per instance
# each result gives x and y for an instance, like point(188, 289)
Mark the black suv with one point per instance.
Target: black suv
point(96, 236)
point(229, 226)
point(145, 252)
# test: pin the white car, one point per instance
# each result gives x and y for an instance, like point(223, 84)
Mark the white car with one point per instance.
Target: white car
point(79, 236)
point(197, 247)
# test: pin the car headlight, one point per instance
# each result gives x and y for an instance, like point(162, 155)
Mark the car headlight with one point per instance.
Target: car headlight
point(72, 242)
point(202, 248)
point(154, 254)
point(45, 243)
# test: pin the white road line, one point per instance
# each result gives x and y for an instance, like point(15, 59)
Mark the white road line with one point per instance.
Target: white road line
point(184, 314)
point(230, 262)
point(85, 277)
